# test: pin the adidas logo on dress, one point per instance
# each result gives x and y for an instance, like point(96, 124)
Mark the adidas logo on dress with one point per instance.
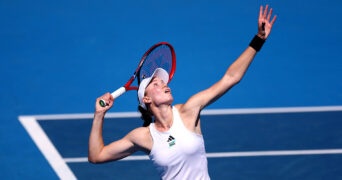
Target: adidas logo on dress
point(171, 140)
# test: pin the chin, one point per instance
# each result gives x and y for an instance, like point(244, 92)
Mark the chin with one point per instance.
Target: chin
point(171, 100)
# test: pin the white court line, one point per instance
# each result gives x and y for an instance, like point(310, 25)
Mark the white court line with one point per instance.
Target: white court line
point(272, 110)
point(232, 154)
point(204, 112)
point(63, 171)
point(47, 148)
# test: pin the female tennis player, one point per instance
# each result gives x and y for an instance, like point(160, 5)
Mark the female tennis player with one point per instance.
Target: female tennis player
point(171, 134)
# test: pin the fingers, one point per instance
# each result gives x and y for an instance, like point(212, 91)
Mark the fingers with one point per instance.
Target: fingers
point(273, 20)
point(260, 11)
point(269, 15)
point(265, 23)
point(109, 100)
point(265, 12)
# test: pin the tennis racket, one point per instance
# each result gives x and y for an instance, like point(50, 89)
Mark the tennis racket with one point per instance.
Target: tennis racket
point(160, 55)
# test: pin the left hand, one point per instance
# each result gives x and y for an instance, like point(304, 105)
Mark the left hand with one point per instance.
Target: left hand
point(264, 22)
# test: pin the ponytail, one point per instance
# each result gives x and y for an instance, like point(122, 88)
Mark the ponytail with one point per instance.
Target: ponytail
point(146, 116)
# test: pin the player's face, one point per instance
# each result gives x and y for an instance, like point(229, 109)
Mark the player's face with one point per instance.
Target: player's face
point(158, 92)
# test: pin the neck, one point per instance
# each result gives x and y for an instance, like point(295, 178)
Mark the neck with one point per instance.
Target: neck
point(163, 118)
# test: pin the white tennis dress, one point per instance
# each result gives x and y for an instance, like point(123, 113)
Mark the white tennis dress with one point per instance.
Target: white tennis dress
point(179, 153)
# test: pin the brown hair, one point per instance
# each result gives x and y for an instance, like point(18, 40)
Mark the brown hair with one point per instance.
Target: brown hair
point(146, 116)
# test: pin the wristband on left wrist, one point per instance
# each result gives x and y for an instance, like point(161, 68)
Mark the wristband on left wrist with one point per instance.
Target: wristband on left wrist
point(257, 43)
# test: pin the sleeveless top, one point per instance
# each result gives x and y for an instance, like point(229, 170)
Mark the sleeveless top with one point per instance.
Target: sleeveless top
point(178, 153)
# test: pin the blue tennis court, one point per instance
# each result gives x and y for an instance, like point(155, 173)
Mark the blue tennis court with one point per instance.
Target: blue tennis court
point(280, 122)
point(262, 143)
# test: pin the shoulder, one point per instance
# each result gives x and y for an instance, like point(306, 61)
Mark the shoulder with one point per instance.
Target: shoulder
point(178, 106)
point(186, 111)
point(190, 117)
point(139, 132)
point(141, 137)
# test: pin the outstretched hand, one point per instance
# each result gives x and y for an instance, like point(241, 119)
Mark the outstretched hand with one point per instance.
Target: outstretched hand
point(264, 22)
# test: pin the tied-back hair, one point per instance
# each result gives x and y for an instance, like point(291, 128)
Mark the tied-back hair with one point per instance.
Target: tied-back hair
point(146, 116)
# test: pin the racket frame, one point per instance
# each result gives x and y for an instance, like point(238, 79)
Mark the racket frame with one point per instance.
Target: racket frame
point(128, 87)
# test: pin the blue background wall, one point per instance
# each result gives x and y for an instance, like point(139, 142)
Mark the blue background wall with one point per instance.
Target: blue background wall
point(58, 56)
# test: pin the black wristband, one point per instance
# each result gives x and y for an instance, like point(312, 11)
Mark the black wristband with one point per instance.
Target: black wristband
point(257, 43)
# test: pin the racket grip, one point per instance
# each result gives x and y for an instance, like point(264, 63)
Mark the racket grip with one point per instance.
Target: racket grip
point(118, 92)
point(115, 94)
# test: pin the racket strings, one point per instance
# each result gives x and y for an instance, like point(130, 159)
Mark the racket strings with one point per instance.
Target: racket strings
point(160, 57)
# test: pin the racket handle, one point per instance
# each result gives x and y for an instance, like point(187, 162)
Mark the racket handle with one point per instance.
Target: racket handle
point(115, 94)
point(118, 92)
